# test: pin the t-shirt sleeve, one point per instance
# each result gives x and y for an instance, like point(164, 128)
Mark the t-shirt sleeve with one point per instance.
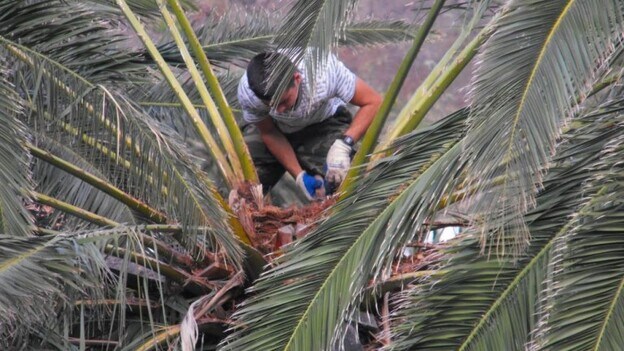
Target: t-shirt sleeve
point(340, 79)
point(254, 110)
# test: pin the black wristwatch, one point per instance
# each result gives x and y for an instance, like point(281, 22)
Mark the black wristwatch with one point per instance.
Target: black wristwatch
point(348, 140)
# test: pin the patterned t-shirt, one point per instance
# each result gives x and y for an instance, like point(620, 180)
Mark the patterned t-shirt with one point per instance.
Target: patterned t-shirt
point(334, 86)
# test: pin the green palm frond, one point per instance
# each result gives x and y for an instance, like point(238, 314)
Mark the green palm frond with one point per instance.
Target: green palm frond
point(238, 35)
point(448, 68)
point(161, 103)
point(295, 306)
point(36, 271)
point(59, 185)
point(66, 282)
point(375, 128)
point(316, 23)
point(531, 75)
point(233, 37)
point(143, 8)
point(74, 35)
point(583, 306)
point(489, 302)
point(376, 32)
point(310, 30)
point(15, 178)
point(108, 131)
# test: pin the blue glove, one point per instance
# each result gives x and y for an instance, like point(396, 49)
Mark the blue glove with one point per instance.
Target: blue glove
point(309, 184)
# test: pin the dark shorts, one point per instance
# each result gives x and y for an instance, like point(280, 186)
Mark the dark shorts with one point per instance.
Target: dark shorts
point(310, 144)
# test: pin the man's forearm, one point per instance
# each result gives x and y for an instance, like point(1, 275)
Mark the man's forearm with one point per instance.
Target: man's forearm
point(280, 147)
point(361, 121)
point(369, 102)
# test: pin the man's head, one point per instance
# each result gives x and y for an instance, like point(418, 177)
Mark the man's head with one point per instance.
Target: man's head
point(258, 73)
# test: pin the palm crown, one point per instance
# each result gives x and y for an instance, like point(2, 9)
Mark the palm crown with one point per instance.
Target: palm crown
point(143, 250)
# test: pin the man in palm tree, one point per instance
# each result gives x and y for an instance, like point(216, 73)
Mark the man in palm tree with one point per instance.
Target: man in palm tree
point(307, 130)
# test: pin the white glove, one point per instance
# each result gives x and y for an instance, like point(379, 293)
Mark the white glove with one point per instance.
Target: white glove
point(338, 162)
point(312, 186)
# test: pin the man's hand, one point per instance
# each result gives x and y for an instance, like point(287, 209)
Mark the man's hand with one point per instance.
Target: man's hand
point(338, 162)
point(313, 187)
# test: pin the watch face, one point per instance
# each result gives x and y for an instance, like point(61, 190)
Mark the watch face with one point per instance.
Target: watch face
point(348, 140)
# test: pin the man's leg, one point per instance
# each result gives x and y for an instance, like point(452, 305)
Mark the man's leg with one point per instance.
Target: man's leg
point(313, 142)
point(268, 168)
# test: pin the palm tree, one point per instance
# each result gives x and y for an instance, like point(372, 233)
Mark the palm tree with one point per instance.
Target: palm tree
point(533, 160)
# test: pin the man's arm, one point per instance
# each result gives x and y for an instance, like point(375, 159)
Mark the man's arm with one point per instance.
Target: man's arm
point(369, 102)
point(279, 146)
point(339, 154)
